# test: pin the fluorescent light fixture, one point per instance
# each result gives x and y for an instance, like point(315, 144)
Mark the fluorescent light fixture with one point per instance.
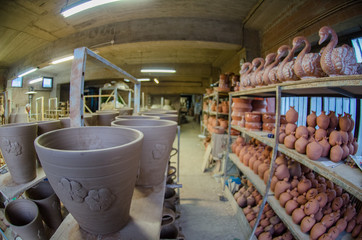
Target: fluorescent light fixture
point(36, 80)
point(83, 5)
point(158, 70)
point(126, 80)
point(28, 72)
point(62, 60)
point(156, 80)
point(143, 79)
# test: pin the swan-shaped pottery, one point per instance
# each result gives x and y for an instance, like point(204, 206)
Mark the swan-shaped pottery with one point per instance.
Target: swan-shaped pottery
point(282, 52)
point(244, 74)
point(268, 60)
point(307, 65)
point(270, 70)
point(258, 64)
point(336, 61)
point(285, 70)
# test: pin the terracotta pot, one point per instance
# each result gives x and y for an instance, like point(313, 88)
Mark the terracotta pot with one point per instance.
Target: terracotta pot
point(259, 105)
point(311, 207)
point(46, 126)
point(344, 122)
point(268, 118)
point(268, 127)
point(335, 138)
point(141, 117)
point(307, 223)
point(48, 203)
point(24, 219)
point(282, 172)
point(326, 147)
point(291, 115)
point(125, 111)
point(304, 185)
point(301, 131)
point(301, 145)
point(295, 169)
point(322, 198)
point(157, 144)
point(289, 141)
point(333, 120)
point(290, 128)
point(253, 125)
point(320, 134)
point(352, 123)
point(253, 117)
point(311, 131)
point(314, 150)
point(283, 119)
point(171, 117)
point(75, 161)
point(336, 153)
point(312, 119)
point(284, 198)
point(323, 120)
point(317, 230)
point(291, 205)
point(298, 214)
point(280, 187)
point(16, 143)
point(311, 194)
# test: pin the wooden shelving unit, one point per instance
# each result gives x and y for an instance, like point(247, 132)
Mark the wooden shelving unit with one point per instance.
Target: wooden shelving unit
point(348, 178)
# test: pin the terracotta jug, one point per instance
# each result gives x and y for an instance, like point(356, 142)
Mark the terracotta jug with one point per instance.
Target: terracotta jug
point(157, 144)
point(317, 230)
point(301, 131)
point(284, 198)
point(352, 123)
point(312, 119)
point(320, 134)
point(322, 198)
point(290, 128)
point(344, 122)
point(75, 160)
point(291, 115)
point(326, 147)
point(304, 185)
point(311, 194)
point(336, 153)
point(282, 172)
point(323, 120)
point(314, 150)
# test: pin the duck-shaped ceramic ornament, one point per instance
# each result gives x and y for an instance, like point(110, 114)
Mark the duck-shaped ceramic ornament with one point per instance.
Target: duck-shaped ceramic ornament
point(307, 65)
point(285, 70)
point(258, 64)
point(336, 61)
point(246, 68)
point(269, 59)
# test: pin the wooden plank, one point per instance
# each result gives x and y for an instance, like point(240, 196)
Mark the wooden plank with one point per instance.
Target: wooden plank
point(9, 189)
point(240, 216)
point(145, 221)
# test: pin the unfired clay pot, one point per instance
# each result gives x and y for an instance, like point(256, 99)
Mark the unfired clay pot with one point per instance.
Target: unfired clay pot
point(323, 120)
point(48, 203)
point(333, 120)
point(312, 119)
point(314, 150)
point(157, 144)
point(105, 118)
point(291, 115)
point(171, 117)
point(125, 111)
point(16, 143)
point(93, 171)
point(46, 126)
point(23, 216)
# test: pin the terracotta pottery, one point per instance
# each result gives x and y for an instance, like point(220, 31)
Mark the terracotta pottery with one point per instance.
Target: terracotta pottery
point(356, 230)
point(301, 145)
point(312, 119)
point(289, 141)
point(157, 144)
point(350, 137)
point(307, 223)
point(333, 123)
point(280, 187)
point(298, 214)
point(314, 150)
point(351, 224)
point(311, 131)
point(301, 131)
point(171, 117)
point(294, 183)
point(268, 127)
point(352, 123)
point(282, 136)
point(46, 126)
point(273, 183)
point(268, 118)
point(322, 198)
point(48, 203)
point(285, 197)
point(253, 117)
point(75, 161)
point(301, 199)
point(326, 147)
point(328, 220)
point(291, 115)
point(336, 61)
point(336, 153)
point(241, 201)
point(355, 146)
point(350, 212)
point(241, 105)
point(290, 128)
point(139, 117)
point(282, 172)
point(291, 205)
point(16, 143)
point(317, 230)
point(311, 207)
point(345, 197)
point(311, 194)
point(345, 151)
point(265, 236)
point(259, 105)
point(320, 134)
point(335, 138)
point(323, 120)
point(344, 122)
point(256, 126)
point(295, 169)
point(304, 185)
point(24, 219)
point(334, 232)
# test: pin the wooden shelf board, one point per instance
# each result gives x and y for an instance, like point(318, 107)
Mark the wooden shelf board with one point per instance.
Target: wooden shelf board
point(348, 178)
point(9, 189)
point(145, 221)
point(240, 216)
point(214, 94)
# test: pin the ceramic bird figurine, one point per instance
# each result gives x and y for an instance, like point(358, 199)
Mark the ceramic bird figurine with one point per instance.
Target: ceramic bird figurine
point(282, 52)
point(336, 61)
point(246, 68)
point(307, 65)
point(285, 70)
point(269, 59)
point(258, 63)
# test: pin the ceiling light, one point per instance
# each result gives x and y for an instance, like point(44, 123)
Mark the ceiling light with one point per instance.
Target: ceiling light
point(62, 60)
point(158, 70)
point(35, 80)
point(83, 5)
point(143, 79)
point(126, 80)
point(28, 72)
point(156, 80)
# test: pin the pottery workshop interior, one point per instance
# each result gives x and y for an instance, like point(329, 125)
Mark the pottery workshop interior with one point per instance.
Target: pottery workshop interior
point(180, 119)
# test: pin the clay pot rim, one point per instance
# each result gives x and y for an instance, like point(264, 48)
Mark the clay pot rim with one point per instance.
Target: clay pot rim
point(254, 113)
point(130, 123)
point(42, 199)
point(16, 125)
point(128, 117)
point(106, 113)
point(90, 128)
point(47, 121)
point(27, 202)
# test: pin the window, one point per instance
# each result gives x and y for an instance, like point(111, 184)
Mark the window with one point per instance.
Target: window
point(357, 45)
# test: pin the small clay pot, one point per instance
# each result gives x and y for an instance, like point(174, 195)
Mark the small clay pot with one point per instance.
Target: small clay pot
point(280, 187)
point(336, 153)
point(283, 119)
point(312, 120)
point(253, 117)
point(307, 223)
point(326, 147)
point(291, 205)
point(323, 120)
point(304, 185)
point(322, 198)
point(320, 134)
point(328, 220)
point(314, 150)
point(291, 115)
point(284, 198)
point(295, 169)
point(311, 207)
point(282, 172)
point(311, 131)
point(317, 230)
point(298, 214)
point(351, 224)
point(301, 199)
point(281, 137)
point(341, 224)
point(290, 128)
point(301, 131)
point(344, 122)
point(301, 145)
point(241, 201)
point(344, 136)
point(312, 193)
point(345, 151)
point(289, 141)
point(268, 127)
point(335, 138)
point(337, 203)
point(256, 126)
point(333, 123)
point(268, 118)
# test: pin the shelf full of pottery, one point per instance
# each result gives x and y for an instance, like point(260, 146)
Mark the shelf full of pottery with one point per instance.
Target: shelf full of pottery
point(303, 200)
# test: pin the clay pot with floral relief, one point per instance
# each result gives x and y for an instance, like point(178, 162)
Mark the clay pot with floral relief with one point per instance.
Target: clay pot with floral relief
point(157, 144)
point(17, 147)
point(75, 161)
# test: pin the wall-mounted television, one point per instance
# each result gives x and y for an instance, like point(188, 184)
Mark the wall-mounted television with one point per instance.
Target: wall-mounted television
point(47, 82)
point(17, 82)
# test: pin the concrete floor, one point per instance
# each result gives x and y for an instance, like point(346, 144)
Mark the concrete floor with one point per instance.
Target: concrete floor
point(203, 215)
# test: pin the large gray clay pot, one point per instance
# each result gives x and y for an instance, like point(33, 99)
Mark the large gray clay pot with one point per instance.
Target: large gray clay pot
point(24, 219)
point(163, 116)
point(136, 117)
point(65, 121)
point(105, 118)
point(48, 203)
point(125, 111)
point(93, 171)
point(158, 139)
point(16, 143)
point(47, 126)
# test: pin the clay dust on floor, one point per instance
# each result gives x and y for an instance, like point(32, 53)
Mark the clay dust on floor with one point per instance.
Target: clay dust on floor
point(203, 215)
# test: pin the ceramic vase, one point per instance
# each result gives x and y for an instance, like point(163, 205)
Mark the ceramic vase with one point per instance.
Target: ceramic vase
point(93, 171)
point(48, 203)
point(47, 126)
point(24, 219)
point(158, 139)
point(12, 115)
point(16, 143)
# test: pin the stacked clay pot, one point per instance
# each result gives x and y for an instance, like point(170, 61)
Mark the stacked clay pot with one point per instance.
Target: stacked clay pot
point(253, 121)
point(268, 120)
point(239, 107)
point(224, 107)
point(259, 105)
point(291, 127)
point(270, 226)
